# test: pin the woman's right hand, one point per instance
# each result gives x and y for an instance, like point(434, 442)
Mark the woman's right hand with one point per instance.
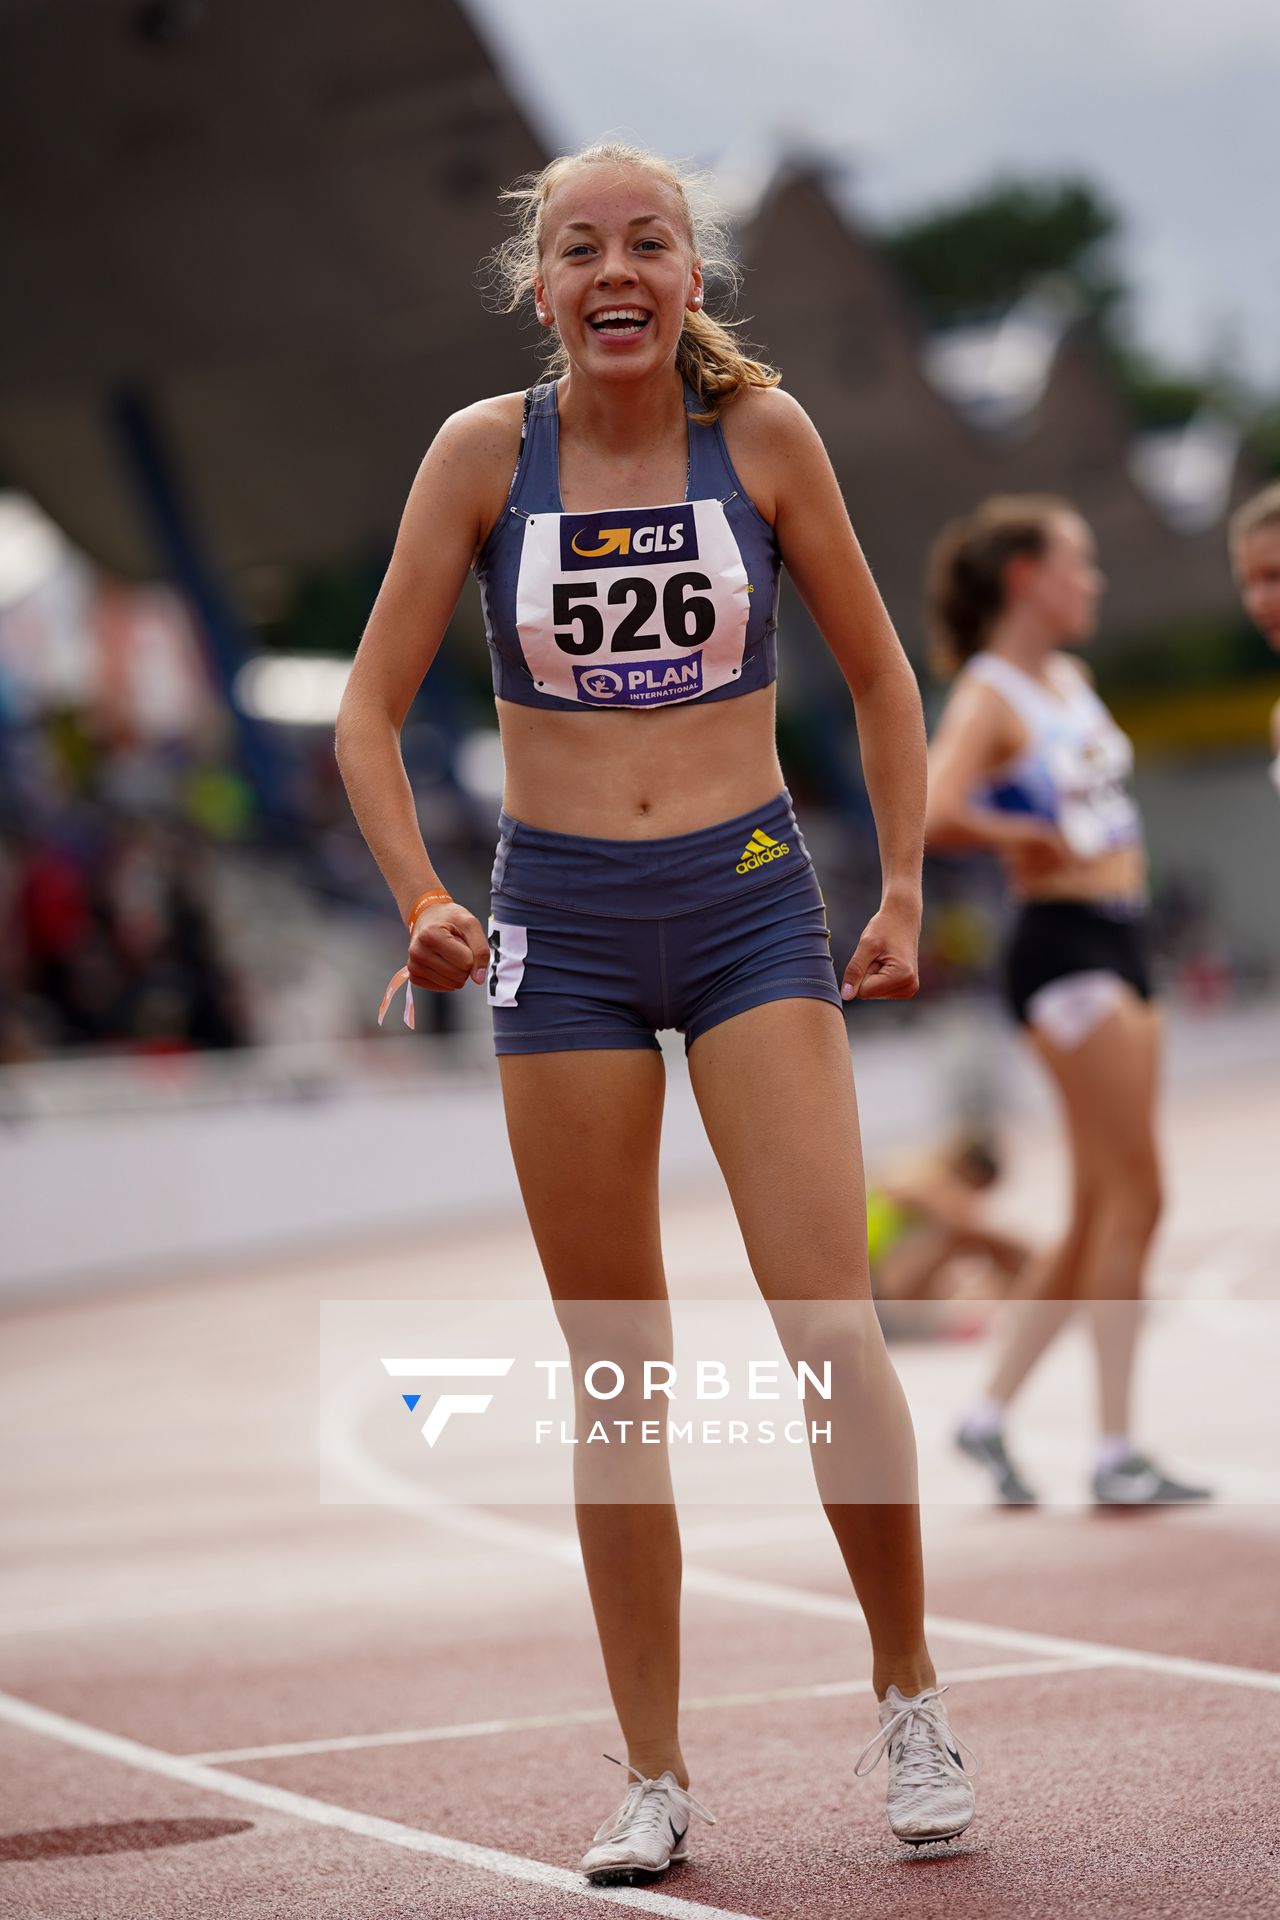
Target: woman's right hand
point(447, 947)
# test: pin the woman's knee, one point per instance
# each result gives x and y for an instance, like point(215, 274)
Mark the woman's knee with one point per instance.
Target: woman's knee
point(842, 1336)
point(1122, 1177)
point(1131, 1202)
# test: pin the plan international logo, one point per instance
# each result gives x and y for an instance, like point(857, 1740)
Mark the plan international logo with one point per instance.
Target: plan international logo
point(641, 686)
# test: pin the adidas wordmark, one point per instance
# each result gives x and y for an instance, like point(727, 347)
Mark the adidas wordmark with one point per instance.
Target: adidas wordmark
point(759, 850)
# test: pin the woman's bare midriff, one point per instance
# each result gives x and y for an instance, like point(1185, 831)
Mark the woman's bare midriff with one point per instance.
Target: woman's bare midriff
point(640, 776)
point(1119, 875)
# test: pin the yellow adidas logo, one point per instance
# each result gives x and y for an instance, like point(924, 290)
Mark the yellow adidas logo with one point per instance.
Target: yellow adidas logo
point(759, 850)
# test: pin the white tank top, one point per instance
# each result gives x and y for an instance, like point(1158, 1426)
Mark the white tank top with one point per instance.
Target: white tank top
point(1077, 765)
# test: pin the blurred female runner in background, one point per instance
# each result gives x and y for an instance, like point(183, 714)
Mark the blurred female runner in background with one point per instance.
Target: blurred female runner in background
point(1255, 560)
point(1028, 764)
point(650, 873)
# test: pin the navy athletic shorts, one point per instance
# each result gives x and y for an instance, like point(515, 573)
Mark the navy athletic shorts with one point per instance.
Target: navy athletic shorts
point(598, 943)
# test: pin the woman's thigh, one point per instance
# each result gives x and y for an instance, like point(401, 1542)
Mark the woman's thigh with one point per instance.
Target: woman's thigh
point(1108, 1086)
point(584, 1130)
point(775, 1089)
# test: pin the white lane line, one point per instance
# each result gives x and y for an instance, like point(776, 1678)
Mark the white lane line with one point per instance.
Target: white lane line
point(1216, 1274)
point(1102, 1654)
point(586, 1716)
point(344, 1456)
point(323, 1813)
point(76, 1613)
point(1214, 1282)
point(216, 1596)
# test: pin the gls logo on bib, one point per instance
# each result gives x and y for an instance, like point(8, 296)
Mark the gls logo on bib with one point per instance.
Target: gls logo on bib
point(625, 536)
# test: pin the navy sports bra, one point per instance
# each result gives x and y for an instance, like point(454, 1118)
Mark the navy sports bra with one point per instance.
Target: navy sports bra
point(628, 606)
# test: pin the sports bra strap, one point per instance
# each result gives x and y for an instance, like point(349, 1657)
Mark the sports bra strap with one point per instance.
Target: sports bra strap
point(711, 476)
point(538, 467)
point(535, 485)
point(1028, 701)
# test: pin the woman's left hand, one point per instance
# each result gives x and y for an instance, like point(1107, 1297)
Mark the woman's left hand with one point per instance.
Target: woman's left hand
point(885, 965)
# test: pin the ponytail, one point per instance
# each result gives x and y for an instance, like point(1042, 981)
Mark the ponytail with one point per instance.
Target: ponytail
point(965, 576)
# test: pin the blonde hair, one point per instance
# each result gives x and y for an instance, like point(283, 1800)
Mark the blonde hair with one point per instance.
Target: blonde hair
point(965, 581)
point(708, 355)
point(1263, 510)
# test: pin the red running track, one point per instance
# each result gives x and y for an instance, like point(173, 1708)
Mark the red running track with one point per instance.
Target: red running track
point(221, 1698)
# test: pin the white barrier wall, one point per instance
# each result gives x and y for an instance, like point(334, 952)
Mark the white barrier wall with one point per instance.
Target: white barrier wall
point(114, 1170)
point(128, 1170)
point(1217, 825)
point(111, 1194)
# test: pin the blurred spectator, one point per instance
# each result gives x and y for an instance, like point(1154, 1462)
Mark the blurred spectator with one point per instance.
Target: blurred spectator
point(112, 943)
point(931, 1239)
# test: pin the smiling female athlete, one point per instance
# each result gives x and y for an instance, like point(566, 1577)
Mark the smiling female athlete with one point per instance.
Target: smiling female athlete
point(626, 522)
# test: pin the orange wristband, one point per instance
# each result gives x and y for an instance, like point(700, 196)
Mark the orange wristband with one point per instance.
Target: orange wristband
point(426, 900)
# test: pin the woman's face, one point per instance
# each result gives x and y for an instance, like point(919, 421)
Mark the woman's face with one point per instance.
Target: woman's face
point(1256, 563)
point(1063, 585)
point(617, 273)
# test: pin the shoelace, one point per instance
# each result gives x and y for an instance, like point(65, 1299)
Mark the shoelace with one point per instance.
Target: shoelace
point(643, 1808)
point(394, 984)
point(921, 1763)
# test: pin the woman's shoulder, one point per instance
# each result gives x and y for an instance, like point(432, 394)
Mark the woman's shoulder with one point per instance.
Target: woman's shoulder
point(486, 430)
point(773, 445)
point(475, 454)
point(764, 420)
point(983, 702)
point(1070, 671)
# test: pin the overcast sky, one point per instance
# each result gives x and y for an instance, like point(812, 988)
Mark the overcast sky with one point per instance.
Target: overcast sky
point(1171, 106)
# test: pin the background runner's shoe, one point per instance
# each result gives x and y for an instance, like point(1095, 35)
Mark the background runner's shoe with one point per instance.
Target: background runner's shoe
point(647, 1833)
point(931, 1796)
point(988, 1450)
point(1137, 1482)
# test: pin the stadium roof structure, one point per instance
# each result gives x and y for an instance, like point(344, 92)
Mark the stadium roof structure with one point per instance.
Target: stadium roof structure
point(920, 428)
point(262, 224)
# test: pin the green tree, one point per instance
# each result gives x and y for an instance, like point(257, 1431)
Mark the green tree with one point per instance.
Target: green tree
point(973, 258)
point(1158, 397)
point(1263, 442)
point(976, 256)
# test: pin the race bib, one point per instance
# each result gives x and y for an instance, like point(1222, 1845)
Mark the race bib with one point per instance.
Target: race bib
point(508, 951)
point(632, 607)
point(1097, 811)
